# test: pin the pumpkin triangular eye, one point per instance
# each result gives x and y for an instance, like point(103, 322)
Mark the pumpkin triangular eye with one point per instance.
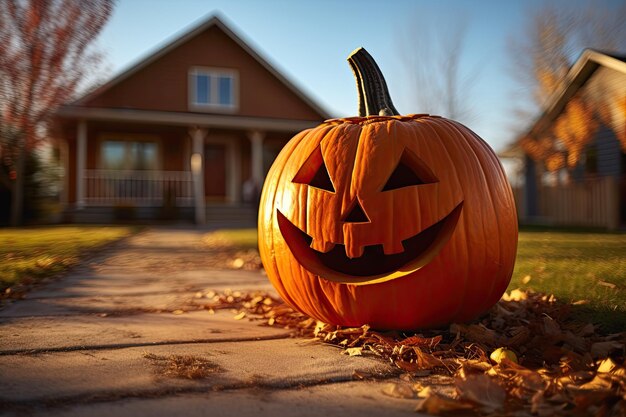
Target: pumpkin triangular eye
point(314, 173)
point(410, 171)
point(321, 179)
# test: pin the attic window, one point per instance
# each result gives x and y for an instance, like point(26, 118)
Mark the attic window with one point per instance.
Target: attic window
point(212, 89)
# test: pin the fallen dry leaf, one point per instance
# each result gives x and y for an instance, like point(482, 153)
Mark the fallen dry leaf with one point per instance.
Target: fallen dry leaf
point(606, 366)
point(603, 349)
point(481, 389)
point(355, 351)
point(437, 404)
point(544, 407)
point(398, 390)
point(418, 341)
point(515, 295)
point(240, 316)
point(607, 284)
point(556, 372)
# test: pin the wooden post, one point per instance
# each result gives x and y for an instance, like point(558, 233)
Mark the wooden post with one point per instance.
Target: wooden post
point(81, 160)
point(256, 141)
point(197, 170)
point(612, 203)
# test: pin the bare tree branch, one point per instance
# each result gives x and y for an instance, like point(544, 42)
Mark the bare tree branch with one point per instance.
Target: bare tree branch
point(46, 46)
point(553, 36)
point(432, 55)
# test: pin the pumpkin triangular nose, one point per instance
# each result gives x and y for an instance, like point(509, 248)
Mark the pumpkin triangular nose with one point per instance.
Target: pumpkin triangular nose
point(356, 215)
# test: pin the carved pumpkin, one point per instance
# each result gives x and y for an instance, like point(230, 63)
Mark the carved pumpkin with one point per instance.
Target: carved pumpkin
point(399, 222)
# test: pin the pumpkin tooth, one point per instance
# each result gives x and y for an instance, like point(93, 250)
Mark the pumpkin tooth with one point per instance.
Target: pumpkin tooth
point(354, 251)
point(321, 245)
point(392, 248)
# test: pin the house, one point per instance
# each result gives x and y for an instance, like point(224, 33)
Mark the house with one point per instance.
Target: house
point(187, 132)
point(573, 158)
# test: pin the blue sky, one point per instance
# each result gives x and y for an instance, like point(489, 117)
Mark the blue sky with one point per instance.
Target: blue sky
point(308, 41)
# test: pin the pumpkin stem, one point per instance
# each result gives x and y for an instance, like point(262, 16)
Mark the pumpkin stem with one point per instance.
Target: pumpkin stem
point(374, 98)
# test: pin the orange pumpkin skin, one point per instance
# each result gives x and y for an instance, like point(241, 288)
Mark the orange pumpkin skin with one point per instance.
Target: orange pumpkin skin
point(465, 276)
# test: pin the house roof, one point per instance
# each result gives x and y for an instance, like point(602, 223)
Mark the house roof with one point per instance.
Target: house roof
point(185, 119)
point(586, 64)
point(212, 20)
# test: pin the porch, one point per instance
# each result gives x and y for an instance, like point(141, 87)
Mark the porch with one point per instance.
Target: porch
point(110, 188)
point(147, 196)
point(167, 169)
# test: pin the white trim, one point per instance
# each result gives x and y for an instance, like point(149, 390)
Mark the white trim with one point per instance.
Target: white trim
point(256, 158)
point(215, 74)
point(65, 162)
point(198, 136)
point(187, 119)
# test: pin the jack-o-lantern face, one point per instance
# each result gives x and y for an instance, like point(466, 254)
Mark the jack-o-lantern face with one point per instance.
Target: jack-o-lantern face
point(361, 246)
point(394, 221)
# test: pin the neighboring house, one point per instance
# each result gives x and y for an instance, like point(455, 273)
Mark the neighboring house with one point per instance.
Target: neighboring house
point(205, 102)
point(573, 158)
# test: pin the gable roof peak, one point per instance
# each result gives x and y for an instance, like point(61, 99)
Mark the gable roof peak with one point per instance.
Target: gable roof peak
point(214, 18)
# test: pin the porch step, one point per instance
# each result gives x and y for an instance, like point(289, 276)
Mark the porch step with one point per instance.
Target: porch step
point(217, 216)
point(231, 216)
point(146, 215)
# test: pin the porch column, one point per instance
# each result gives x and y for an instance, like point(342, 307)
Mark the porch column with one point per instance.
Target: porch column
point(234, 150)
point(197, 172)
point(256, 140)
point(65, 163)
point(81, 158)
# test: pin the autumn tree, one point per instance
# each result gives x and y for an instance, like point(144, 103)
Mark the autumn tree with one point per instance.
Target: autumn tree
point(46, 51)
point(432, 56)
point(552, 37)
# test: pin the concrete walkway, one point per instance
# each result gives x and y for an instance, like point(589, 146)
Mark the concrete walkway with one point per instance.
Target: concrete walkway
point(104, 341)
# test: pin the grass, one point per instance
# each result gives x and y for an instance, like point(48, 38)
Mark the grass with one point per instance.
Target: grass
point(31, 253)
point(585, 269)
point(241, 239)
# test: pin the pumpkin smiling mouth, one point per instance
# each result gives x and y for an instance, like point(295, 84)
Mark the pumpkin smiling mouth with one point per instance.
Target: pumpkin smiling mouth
point(373, 266)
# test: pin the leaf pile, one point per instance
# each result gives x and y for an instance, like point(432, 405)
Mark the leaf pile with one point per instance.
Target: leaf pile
point(564, 367)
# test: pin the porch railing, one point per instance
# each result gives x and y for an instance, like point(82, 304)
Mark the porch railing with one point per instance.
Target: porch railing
point(138, 188)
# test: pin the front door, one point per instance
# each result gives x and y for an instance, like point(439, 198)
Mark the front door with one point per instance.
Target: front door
point(215, 171)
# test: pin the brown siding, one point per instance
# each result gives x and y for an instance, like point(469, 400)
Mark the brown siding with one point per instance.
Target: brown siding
point(163, 85)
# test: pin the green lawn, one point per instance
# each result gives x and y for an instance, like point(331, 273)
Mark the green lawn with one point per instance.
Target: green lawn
point(240, 239)
point(588, 269)
point(31, 253)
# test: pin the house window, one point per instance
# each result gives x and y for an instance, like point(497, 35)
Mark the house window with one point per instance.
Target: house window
point(213, 89)
point(128, 155)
